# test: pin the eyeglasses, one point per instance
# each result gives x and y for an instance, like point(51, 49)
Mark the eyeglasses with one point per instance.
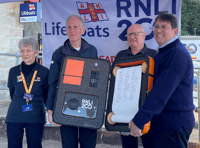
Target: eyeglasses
point(134, 34)
point(162, 27)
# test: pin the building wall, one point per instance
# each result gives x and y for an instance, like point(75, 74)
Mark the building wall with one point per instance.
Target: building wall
point(11, 31)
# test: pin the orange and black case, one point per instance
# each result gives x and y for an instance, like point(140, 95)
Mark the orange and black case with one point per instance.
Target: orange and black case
point(82, 92)
point(146, 86)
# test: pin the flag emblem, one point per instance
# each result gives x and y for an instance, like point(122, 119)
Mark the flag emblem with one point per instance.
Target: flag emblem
point(91, 12)
point(31, 7)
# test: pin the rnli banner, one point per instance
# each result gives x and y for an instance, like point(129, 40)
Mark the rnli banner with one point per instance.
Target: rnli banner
point(9, 1)
point(106, 22)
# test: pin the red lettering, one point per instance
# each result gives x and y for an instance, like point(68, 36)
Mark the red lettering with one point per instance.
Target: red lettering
point(107, 58)
point(82, 6)
point(85, 18)
point(98, 6)
point(112, 59)
point(102, 16)
point(101, 57)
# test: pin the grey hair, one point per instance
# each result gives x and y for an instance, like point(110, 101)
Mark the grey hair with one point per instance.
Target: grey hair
point(28, 40)
point(77, 16)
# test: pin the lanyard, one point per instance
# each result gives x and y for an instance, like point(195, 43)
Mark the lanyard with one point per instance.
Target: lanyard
point(31, 85)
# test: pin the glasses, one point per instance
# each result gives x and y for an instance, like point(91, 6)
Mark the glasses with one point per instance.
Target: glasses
point(162, 27)
point(134, 34)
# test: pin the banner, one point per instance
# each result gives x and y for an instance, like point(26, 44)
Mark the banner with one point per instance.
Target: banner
point(30, 12)
point(192, 43)
point(9, 1)
point(106, 22)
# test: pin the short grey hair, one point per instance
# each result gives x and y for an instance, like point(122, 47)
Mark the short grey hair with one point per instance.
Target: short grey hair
point(77, 16)
point(29, 40)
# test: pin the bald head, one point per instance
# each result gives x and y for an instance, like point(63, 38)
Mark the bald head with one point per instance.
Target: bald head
point(136, 27)
point(136, 37)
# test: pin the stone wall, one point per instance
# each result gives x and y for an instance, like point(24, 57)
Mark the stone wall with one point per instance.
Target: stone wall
point(11, 31)
point(33, 28)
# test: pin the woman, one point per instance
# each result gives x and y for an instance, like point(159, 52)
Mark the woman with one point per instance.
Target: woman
point(28, 85)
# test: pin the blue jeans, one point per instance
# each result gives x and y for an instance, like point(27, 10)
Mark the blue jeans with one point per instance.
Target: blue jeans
point(34, 134)
point(72, 135)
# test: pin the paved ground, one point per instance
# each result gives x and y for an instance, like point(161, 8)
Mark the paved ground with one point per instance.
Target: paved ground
point(194, 138)
point(54, 144)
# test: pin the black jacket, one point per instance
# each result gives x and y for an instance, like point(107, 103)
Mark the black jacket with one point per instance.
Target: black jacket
point(17, 90)
point(86, 50)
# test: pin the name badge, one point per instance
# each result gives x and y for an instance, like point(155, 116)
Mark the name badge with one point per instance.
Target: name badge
point(27, 108)
point(28, 96)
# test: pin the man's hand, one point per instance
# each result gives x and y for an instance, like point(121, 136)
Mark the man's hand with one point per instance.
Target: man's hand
point(50, 112)
point(134, 130)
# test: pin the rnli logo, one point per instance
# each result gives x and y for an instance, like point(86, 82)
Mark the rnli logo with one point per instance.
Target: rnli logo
point(19, 78)
point(31, 7)
point(91, 12)
point(37, 79)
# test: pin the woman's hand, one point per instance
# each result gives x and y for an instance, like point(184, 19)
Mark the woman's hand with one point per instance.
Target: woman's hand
point(50, 112)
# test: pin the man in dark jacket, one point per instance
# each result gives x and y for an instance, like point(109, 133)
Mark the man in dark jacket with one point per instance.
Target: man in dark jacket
point(169, 105)
point(135, 36)
point(74, 45)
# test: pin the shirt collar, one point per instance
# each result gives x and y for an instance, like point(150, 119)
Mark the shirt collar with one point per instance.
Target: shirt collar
point(169, 42)
point(129, 52)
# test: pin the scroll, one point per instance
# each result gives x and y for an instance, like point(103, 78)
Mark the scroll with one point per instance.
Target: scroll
point(131, 81)
point(126, 94)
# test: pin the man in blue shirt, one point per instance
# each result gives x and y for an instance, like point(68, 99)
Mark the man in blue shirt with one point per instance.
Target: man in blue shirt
point(169, 106)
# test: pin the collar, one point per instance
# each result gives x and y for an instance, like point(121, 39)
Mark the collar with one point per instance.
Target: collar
point(143, 51)
point(23, 66)
point(169, 46)
point(67, 48)
point(169, 42)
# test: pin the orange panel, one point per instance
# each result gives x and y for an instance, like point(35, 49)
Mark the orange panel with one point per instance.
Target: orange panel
point(146, 128)
point(150, 83)
point(151, 66)
point(72, 80)
point(73, 72)
point(131, 63)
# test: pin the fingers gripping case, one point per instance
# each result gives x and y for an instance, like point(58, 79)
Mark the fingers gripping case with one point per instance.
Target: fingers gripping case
point(82, 92)
point(145, 87)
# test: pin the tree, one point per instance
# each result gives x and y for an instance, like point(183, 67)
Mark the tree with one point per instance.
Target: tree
point(190, 18)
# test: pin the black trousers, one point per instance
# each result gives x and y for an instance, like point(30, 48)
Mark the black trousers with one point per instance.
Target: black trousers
point(72, 135)
point(34, 134)
point(159, 139)
point(167, 139)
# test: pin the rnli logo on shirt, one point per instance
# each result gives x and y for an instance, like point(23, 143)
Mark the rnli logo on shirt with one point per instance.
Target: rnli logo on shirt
point(91, 12)
point(19, 78)
point(38, 79)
